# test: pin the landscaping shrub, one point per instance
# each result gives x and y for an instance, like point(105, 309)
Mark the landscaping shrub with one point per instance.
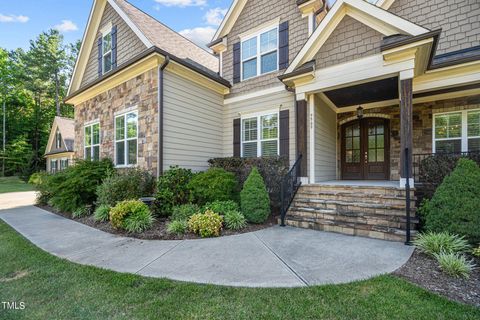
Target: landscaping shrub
point(76, 186)
point(476, 251)
point(206, 225)
point(454, 264)
point(272, 169)
point(435, 243)
point(129, 184)
point(234, 220)
point(184, 212)
point(254, 199)
point(44, 183)
point(221, 207)
point(102, 213)
point(455, 205)
point(177, 227)
point(131, 215)
point(172, 190)
point(213, 184)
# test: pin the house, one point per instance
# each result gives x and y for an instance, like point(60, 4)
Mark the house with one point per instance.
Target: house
point(59, 153)
point(358, 89)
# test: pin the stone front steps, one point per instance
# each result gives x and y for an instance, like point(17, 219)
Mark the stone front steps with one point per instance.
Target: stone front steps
point(368, 211)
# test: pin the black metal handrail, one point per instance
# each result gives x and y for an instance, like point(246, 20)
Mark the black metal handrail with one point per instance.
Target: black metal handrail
point(290, 184)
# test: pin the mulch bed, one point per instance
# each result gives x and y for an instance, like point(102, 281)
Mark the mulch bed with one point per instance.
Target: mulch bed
point(424, 271)
point(159, 228)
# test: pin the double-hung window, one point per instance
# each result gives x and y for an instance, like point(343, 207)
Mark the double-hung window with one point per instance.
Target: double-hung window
point(260, 136)
point(260, 54)
point(58, 139)
point(107, 52)
point(63, 163)
point(126, 139)
point(456, 132)
point(92, 142)
point(53, 166)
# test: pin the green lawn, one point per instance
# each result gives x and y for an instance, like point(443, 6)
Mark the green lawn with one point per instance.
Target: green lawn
point(13, 184)
point(52, 288)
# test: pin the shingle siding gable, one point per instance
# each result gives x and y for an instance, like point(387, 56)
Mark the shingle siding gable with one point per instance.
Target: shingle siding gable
point(128, 44)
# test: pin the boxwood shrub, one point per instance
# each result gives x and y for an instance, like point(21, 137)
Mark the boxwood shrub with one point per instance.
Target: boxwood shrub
point(254, 199)
point(172, 190)
point(212, 185)
point(128, 184)
point(454, 207)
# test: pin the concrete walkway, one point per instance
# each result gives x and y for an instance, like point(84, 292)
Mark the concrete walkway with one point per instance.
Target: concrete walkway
point(274, 257)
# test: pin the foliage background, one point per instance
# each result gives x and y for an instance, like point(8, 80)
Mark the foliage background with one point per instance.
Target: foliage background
point(33, 84)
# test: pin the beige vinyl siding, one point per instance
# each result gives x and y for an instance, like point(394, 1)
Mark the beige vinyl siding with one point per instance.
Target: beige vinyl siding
point(282, 101)
point(192, 124)
point(325, 142)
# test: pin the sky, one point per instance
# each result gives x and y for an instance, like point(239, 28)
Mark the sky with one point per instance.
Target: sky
point(22, 20)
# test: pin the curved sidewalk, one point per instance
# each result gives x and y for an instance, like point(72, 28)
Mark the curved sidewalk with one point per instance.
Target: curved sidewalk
point(274, 257)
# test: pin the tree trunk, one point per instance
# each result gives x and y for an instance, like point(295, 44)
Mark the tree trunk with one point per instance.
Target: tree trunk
point(57, 98)
point(3, 138)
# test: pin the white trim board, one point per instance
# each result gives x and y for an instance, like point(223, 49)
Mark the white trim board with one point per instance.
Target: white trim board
point(253, 95)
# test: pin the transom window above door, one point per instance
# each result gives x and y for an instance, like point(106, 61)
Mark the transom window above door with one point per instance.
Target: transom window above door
point(260, 54)
point(456, 132)
point(260, 136)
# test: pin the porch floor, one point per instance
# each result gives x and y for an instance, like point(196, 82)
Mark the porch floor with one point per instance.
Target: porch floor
point(361, 183)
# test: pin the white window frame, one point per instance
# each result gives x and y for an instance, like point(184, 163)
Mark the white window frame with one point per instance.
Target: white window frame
point(64, 160)
point(259, 140)
point(464, 132)
point(259, 53)
point(58, 139)
point(90, 125)
point(105, 33)
point(125, 139)
point(52, 161)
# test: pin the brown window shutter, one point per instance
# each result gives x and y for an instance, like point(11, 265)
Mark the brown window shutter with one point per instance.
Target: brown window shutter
point(100, 57)
point(236, 137)
point(285, 133)
point(301, 130)
point(283, 46)
point(114, 47)
point(236, 62)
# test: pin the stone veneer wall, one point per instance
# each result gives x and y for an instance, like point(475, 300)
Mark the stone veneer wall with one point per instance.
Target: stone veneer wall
point(422, 126)
point(141, 92)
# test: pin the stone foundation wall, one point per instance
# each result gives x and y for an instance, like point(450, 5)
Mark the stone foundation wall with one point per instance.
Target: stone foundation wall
point(422, 126)
point(140, 92)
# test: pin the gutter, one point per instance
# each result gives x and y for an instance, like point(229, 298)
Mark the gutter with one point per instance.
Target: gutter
point(161, 70)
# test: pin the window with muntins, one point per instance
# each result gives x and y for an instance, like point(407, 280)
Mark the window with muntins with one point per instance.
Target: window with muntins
point(63, 163)
point(92, 142)
point(260, 54)
point(260, 136)
point(58, 139)
point(126, 139)
point(456, 132)
point(53, 166)
point(107, 52)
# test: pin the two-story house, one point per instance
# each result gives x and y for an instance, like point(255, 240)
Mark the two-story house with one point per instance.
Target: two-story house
point(59, 152)
point(357, 88)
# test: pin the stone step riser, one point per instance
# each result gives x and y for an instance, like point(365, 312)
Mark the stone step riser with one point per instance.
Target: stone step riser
point(349, 231)
point(338, 219)
point(352, 211)
point(357, 207)
point(356, 191)
point(394, 201)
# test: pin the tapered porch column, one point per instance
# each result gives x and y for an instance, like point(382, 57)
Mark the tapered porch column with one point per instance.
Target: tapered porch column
point(406, 125)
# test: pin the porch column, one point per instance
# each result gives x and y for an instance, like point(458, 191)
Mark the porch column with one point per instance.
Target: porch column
point(301, 134)
point(406, 126)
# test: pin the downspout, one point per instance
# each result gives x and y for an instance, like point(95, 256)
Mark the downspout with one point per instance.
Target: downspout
point(160, 115)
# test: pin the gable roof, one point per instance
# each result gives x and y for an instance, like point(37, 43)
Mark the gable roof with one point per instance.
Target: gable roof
point(66, 126)
point(149, 30)
point(369, 14)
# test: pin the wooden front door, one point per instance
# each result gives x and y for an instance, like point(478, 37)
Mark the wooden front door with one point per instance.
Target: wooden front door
point(365, 149)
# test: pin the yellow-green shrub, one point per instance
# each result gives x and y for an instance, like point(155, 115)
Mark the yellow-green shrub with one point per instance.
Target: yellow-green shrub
point(206, 225)
point(131, 215)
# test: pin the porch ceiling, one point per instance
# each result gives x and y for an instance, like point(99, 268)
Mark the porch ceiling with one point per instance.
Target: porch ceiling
point(374, 91)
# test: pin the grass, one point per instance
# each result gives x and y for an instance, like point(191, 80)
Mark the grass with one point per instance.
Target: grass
point(14, 184)
point(57, 289)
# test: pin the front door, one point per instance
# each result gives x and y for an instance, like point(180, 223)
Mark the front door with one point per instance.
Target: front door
point(365, 150)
